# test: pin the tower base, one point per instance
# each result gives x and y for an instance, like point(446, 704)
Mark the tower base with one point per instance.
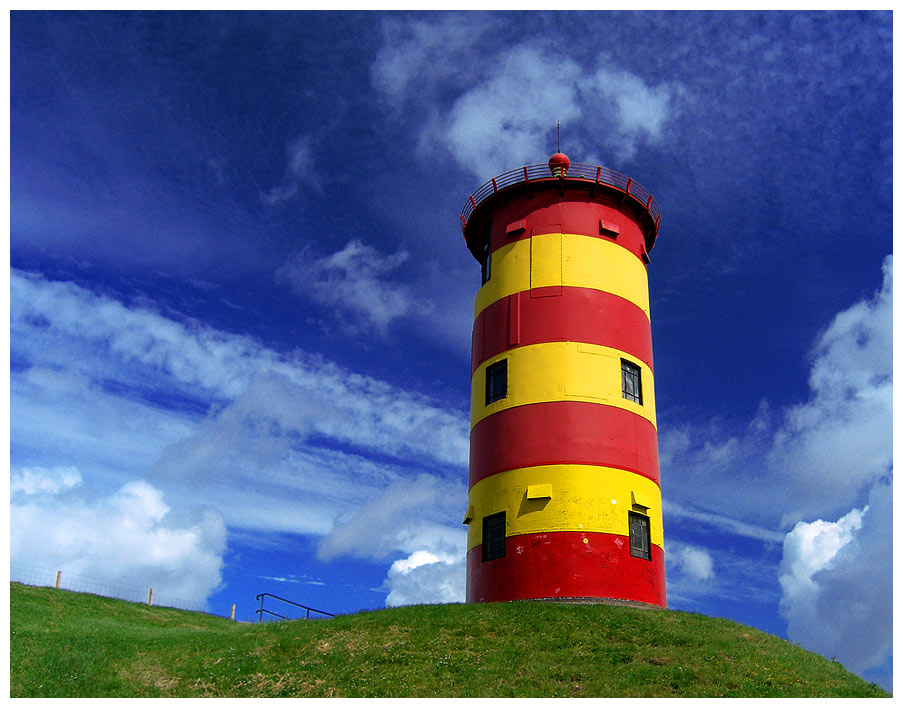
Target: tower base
point(597, 601)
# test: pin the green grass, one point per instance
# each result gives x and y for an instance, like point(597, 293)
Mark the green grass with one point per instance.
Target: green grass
point(70, 644)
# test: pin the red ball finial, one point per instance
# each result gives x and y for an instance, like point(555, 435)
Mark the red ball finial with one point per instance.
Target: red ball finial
point(559, 163)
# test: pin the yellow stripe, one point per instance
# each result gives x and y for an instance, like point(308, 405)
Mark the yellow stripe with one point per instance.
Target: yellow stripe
point(571, 260)
point(583, 498)
point(562, 371)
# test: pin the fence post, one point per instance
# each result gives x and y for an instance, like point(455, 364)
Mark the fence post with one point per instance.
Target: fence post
point(232, 615)
point(150, 597)
point(58, 574)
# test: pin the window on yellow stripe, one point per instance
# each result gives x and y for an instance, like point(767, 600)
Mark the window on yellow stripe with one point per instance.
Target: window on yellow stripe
point(494, 536)
point(631, 386)
point(496, 381)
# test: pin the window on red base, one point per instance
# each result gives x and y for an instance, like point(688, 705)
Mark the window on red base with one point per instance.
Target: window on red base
point(494, 536)
point(639, 535)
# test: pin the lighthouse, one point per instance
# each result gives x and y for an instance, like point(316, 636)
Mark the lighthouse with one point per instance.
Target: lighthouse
point(564, 498)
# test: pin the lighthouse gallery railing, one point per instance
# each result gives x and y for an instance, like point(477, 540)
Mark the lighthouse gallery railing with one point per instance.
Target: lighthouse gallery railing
point(591, 173)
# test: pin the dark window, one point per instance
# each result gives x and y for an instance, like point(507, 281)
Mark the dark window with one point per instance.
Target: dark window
point(639, 535)
point(486, 263)
point(631, 388)
point(494, 536)
point(496, 381)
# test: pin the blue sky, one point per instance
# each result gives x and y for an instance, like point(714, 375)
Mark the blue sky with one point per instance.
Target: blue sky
point(240, 304)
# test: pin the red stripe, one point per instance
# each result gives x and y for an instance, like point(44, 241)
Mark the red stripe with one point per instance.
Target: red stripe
point(572, 213)
point(559, 565)
point(561, 433)
point(577, 315)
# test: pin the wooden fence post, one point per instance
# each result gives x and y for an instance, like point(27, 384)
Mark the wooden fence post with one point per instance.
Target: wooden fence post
point(58, 574)
point(232, 616)
point(150, 597)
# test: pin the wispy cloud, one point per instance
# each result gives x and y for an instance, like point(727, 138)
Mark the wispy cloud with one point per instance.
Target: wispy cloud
point(505, 114)
point(303, 580)
point(409, 517)
point(725, 523)
point(300, 171)
point(421, 56)
point(272, 442)
point(63, 327)
point(356, 279)
point(37, 480)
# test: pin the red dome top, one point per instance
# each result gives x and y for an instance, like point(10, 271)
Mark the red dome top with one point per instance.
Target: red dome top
point(559, 163)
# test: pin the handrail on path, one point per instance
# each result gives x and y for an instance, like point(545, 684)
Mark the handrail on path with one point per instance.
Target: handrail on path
point(261, 611)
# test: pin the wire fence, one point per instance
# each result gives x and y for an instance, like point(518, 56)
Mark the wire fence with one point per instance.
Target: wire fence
point(123, 589)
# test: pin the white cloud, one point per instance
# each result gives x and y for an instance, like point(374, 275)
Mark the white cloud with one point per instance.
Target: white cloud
point(300, 170)
point(725, 523)
point(92, 386)
point(815, 458)
point(60, 418)
point(353, 279)
point(642, 111)
point(425, 578)
point(421, 55)
point(411, 517)
point(131, 535)
point(508, 120)
point(838, 442)
point(75, 335)
point(37, 480)
point(407, 516)
point(505, 115)
point(696, 563)
point(837, 583)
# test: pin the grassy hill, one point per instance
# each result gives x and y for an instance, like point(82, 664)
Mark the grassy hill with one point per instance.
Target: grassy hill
point(70, 644)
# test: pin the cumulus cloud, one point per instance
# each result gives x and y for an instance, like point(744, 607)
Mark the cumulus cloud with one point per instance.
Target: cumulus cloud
point(840, 441)
point(353, 279)
point(694, 562)
point(692, 580)
point(837, 580)
point(819, 459)
point(426, 578)
point(815, 458)
point(131, 535)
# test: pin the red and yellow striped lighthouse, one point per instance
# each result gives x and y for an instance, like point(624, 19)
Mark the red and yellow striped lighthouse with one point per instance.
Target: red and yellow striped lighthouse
point(564, 498)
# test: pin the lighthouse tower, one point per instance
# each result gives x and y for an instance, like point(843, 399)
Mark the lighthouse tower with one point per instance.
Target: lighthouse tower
point(564, 498)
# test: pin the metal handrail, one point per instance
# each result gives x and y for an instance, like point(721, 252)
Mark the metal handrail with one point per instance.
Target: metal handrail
point(592, 173)
point(290, 602)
